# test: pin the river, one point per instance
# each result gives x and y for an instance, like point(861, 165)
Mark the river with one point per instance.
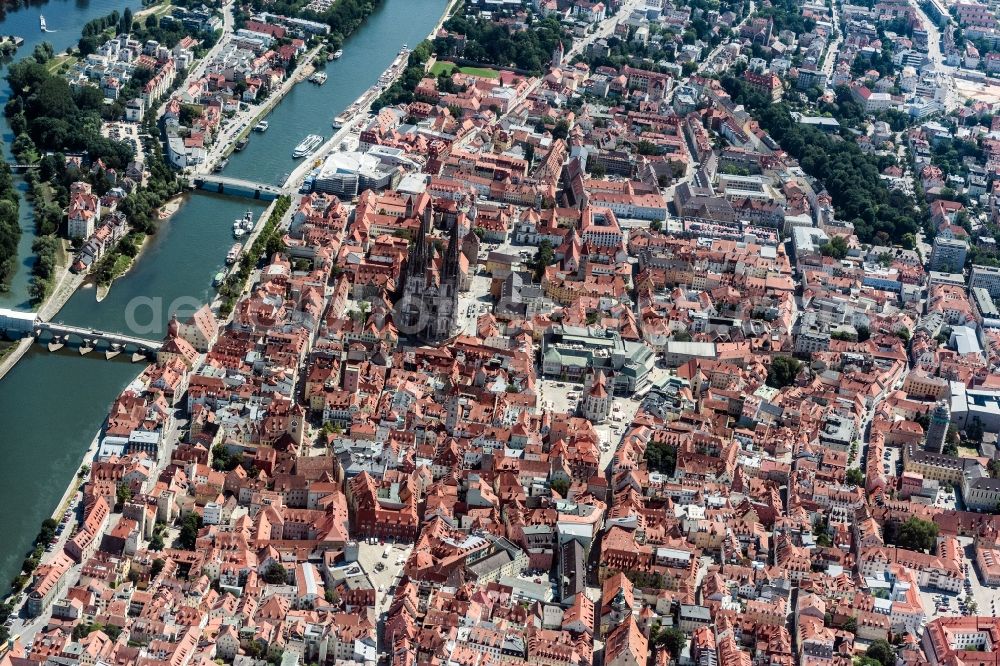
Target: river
point(51, 405)
point(310, 108)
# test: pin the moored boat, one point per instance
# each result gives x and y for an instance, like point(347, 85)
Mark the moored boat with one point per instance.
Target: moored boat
point(307, 145)
point(261, 126)
point(233, 254)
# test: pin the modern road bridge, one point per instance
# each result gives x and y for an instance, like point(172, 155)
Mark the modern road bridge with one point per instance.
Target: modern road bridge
point(236, 186)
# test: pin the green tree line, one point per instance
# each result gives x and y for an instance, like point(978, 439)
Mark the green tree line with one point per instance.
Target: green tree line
point(10, 227)
point(851, 177)
point(492, 43)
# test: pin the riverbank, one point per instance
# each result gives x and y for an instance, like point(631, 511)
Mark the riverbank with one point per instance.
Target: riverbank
point(244, 121)
point(22, 20)
point(363, 103)
point(11, 358)
point(66, 286)
point(217, 301)
point(104, 289)
point(170, 206)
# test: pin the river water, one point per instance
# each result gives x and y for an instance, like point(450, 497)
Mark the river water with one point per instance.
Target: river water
point(51, 405)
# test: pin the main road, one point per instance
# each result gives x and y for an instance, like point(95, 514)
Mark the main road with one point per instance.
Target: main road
point(830, 57)
point(946, 72)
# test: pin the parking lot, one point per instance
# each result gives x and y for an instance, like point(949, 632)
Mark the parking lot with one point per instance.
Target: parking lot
point(892, 461)
point(974, 599)
point(986, 598)
point(125, 132)
point(382, 571)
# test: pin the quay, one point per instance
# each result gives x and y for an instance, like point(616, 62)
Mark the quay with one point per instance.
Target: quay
point(354, 115)
point(226, 146)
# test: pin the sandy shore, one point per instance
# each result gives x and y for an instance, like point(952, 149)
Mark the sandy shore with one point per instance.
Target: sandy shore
point(172, 205)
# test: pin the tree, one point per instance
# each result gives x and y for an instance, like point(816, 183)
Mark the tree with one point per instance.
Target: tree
point(656, 225)
point(673, 639)
point(124, 494)
point(881, 652)
point(917, 534)
point(543, 257)
point(560, 486)
point(851, 625)
point(189, 531)
point(863, 333)
point(974, 431)
point(254, 649)
point(156, 567)
point(836, 247)
point(646, 147)
point(47, 531)
point(43, 53)
point(275, 574)
point(855, 477)
point(782, 372)
point(850, 176)
point(222, 460)
point(82, 630)
point(661, 457)
point(994, 468)
point(125, 25)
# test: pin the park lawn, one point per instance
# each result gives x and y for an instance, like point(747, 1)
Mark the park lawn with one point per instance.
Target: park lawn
point(122, 264)
point(160, 9)
point(443, 66)
point(60, 60)
point(966, 452)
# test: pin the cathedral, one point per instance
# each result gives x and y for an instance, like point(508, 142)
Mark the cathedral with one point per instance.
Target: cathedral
point(428, 309)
